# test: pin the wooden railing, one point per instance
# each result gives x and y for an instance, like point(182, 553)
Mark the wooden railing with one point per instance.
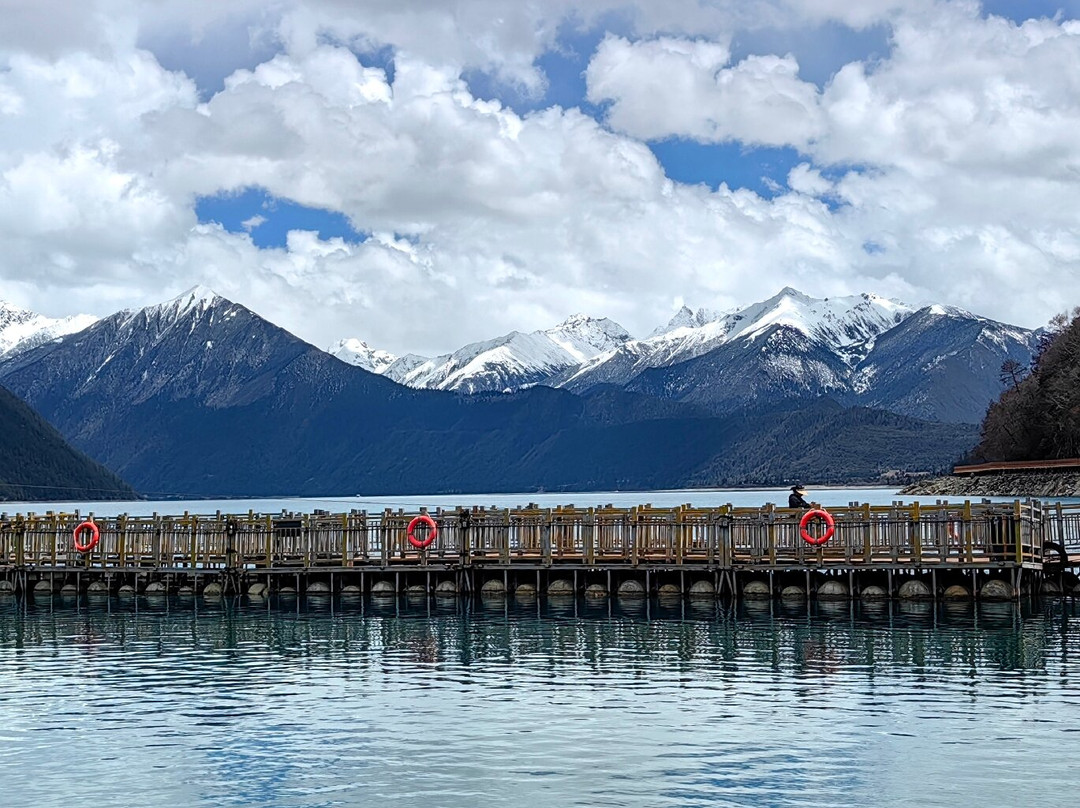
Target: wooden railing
point(721, 537)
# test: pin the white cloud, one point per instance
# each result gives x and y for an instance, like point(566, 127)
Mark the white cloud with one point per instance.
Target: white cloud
point(806, 180)
point(667, 87)
point(484, 220)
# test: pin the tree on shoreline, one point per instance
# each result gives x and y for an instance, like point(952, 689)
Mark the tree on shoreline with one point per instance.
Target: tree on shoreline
point(1038, 416)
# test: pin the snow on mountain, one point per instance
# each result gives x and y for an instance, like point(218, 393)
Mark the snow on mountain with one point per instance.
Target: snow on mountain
point(400, 369)
point(941, 363)
point(21, 330)
point(360, 354)
point(687, 318)
point(584, 337)
point(512, 361)
point(197, 345)
point(844, 325)
point(839, 322)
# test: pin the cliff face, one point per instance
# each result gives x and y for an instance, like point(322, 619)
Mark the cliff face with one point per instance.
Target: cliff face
point(1028, 484)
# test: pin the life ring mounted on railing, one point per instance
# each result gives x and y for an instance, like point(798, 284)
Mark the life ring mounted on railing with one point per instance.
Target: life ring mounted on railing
point(95, 535)
point(433, 531)
point(809, 516)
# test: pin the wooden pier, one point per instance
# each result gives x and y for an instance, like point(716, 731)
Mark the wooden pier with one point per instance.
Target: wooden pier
point(1027, 546)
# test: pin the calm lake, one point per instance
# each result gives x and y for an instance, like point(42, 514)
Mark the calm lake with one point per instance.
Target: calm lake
point(702, 497)
point(536, 703)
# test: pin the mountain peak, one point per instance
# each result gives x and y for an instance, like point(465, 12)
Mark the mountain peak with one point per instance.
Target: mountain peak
point(583, 337)
point(790, 291)
point(950, 311)
point(197, 297)
point(359, 353)
point(686, 317)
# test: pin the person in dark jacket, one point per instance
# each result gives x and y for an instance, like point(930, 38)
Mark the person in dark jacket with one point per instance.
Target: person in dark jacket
point(795, 498)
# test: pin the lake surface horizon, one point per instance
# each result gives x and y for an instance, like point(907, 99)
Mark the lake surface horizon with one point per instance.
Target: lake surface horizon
point(701, 497)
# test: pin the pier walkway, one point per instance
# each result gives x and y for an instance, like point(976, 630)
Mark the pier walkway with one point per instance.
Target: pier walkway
point(942, 543)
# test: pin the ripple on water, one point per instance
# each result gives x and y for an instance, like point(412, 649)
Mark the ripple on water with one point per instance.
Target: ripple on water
point(549, 705)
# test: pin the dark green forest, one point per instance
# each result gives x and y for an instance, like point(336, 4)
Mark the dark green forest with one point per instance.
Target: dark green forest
point(1038, 415)
point(36, 463)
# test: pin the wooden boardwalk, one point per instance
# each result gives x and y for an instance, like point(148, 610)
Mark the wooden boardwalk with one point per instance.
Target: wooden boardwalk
point(945, 542)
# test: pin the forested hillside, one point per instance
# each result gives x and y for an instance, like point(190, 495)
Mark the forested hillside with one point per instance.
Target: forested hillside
point(37, 464)
point(1038, 416)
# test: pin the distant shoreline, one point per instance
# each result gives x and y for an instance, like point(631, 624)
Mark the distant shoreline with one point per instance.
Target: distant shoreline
point(1012, 484)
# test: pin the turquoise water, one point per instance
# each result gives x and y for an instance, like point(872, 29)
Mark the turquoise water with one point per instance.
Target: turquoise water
point(535, 703)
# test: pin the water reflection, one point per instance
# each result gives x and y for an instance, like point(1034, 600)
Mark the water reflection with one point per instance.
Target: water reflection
point(621, 701)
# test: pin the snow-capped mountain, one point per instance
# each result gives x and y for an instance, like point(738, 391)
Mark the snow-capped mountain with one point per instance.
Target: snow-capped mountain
point(509, 362)
point(21, 330)
point(686, 317)
point(935, 363)
point(199, 396)
point(196, 344)
point(845, 326)
point(360, 354)
point(940, 363)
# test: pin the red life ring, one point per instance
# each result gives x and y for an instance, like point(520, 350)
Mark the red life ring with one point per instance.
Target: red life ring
point(813, 514)
point(427, 520)
point(95, 534)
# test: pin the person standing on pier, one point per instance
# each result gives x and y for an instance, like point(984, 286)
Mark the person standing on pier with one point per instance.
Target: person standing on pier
point(795, 498)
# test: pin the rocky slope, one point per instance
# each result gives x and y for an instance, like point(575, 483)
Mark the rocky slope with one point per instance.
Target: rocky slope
point(1028, 484)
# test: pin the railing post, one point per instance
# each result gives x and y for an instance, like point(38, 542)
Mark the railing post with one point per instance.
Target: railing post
point(545, 537)
point(55, 539)
point(384, 528)
point(770, 515)
point(1018, 531)
point(121, 532)
point(307, 539)
point(681, 533)
point(589, 528)
point(916, 533)
point(345, 560)
point(868, 533)
point(194, 524)
point(969, 539)
point(20, 541)
point(504, 543)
